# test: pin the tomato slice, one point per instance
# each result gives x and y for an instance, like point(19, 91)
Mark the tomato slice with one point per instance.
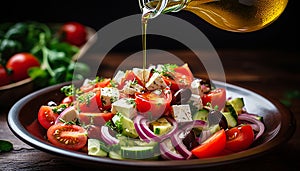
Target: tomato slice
point(181, 77)
point(129, 76)
point(153, 104)
point(239, 138)
point(211, 147)
point(46, 116)
point(72, 137)
point(97, 119)
point(68, 100)
point(89, 102)
point(216, 97)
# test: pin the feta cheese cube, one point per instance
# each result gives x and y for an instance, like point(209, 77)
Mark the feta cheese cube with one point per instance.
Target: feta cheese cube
point(109, 95)
point(182, 113)
point(156, 82)
point(196, 101)
point(119, 76)
point(126, 106)
point(132, 87)
point(196, 87)
point(142, 74)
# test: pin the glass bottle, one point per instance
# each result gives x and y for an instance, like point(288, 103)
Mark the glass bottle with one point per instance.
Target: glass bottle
point(230, 15)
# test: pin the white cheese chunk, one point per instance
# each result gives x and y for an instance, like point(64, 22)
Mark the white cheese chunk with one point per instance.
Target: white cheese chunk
point(126, 106)
point(156, 82)
point(196, 87)
point(109, 95)
point(159, 67)
point(182, 113)
point(119, 76)
point(196, 101)
point(142, 74)
point(131, 88)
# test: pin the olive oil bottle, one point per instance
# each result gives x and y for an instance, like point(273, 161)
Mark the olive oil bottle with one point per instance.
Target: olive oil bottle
point(230, 15)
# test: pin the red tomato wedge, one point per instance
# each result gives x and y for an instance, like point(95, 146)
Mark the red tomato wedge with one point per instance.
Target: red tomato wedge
point(181, 78)
point(89, 102)
point(129, 76)
point(46, 116)
point(239, 138)
point(72, 137)
point(216, 97)
point(211, 147)
point(97, 119)
point(152, 104)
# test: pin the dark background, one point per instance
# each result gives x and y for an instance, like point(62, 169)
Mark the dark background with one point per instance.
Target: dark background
point(280, 35)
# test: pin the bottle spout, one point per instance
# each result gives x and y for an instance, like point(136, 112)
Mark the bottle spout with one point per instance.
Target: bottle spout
point(150, 9)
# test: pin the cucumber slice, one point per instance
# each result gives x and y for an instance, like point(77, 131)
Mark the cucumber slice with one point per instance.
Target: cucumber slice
point(137, 152)
point(201, 114)
point(231, 119)
point(94, 148)
point(237, 104)
point(115, 155)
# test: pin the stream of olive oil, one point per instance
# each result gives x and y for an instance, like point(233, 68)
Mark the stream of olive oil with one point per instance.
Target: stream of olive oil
point(144, 22)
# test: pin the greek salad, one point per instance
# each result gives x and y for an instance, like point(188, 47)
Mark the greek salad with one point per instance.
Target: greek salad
point(159, 113)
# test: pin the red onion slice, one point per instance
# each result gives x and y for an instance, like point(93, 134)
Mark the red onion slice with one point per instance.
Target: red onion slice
point(251, 118)
point(137, 125)
point(179, 146)
point(167, 152)
point(107, 137)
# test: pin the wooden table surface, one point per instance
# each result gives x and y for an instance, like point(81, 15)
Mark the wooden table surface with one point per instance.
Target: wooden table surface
point(274, 73)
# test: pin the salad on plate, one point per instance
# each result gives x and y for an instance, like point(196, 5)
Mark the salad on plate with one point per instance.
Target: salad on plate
point(159, 113)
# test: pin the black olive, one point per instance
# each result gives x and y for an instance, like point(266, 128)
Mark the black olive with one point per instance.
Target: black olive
point(216, 117)
point(181, 96)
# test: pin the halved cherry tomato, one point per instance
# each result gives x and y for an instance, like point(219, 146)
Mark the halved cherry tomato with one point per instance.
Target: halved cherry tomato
point(98, 119)
point(89, 101)
point(216, 97)
point(94, 132)
point(90, 87)
point(129, 76)
point(211, 147)
point(68, 100)
point(46, 116)
point(181, 77)
point(153, 104)
point(67, 136)
point(239, 138)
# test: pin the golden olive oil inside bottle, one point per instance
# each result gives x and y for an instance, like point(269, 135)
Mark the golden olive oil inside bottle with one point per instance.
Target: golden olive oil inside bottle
point(230, 15)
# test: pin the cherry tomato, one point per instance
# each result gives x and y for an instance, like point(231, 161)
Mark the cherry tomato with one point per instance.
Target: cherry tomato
point(216, 97)
point(68, 100)
point(239, 138)
point(94, 132)
point(102, 83)
point(74, 33)
point(4, 77)
point(19, 65)
point(46, 116)
point(211, 147)
point(89, 101)
point(153, 104)
point(181, 78)
point(67, 136)
point(129, 76)
point(98, 119)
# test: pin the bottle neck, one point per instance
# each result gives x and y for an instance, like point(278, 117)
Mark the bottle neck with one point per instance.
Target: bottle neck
point(153, 8)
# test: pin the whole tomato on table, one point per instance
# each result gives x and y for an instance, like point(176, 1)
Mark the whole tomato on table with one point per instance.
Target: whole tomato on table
point(19, 64)
point(74, 33)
